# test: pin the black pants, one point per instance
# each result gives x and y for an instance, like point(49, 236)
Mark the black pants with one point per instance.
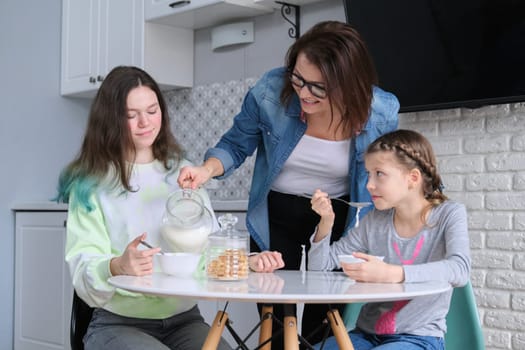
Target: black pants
point(292, 222)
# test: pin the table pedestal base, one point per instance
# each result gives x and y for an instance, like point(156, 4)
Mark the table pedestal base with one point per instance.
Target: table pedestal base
point(291, 337)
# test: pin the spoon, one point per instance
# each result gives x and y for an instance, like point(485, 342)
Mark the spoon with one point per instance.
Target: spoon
point(352, 204)
point(358, 205)
point(144, 243)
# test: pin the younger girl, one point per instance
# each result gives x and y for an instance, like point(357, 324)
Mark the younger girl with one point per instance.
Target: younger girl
point(117, 188)
point(422, 236)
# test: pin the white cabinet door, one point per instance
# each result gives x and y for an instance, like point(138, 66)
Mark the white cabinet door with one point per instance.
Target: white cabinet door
point(121, 34)
point(79, 46)
point(43, 288)
point(197, 14)
point(98, 35)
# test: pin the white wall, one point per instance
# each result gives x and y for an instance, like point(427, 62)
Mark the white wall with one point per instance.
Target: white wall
point(481, 152)
point(271, 41)
point(39, 130)
point(481, 158)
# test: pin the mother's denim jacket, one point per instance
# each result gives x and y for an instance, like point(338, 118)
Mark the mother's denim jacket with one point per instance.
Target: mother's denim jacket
point(274, 130)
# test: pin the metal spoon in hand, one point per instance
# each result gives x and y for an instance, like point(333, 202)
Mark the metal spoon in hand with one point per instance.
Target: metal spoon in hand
point(358, 205)
point(146, 244)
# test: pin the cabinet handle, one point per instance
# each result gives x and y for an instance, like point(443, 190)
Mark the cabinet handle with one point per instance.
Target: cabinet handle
point(179, 3)
point(92, 80)
point(100, 78)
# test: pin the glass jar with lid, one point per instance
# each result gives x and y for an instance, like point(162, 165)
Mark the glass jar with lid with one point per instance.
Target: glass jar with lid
point(187, 222)
point(228, 251)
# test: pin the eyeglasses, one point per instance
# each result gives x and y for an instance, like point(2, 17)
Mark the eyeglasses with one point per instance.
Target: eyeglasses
point(316, 89)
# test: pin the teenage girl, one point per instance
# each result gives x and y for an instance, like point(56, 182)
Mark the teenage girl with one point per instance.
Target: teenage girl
point(421, 234)
point(117, 188)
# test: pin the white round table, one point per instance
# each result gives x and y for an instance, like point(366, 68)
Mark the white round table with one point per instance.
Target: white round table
point(280, 287)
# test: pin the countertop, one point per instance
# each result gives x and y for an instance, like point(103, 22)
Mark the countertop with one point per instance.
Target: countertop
point(39, 206)
point(218, 205)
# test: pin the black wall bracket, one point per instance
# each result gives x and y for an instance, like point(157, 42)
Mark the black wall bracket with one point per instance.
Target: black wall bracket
point(286, 10)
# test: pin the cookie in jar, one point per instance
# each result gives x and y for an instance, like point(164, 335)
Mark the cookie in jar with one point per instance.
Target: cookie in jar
point(227, 252)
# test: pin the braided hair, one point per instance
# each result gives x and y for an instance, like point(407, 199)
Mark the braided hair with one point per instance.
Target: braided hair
point(413, 150)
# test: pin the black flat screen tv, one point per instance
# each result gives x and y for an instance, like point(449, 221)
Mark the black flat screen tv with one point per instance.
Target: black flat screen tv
point(436, 54)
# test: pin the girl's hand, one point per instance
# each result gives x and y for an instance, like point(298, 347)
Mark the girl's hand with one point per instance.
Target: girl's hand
point(134, 262)
point(322, 205)
point(266, 261)
point(373, 270)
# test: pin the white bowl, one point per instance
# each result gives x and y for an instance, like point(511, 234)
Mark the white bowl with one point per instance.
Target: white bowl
point(179, 264)
point(349, 258)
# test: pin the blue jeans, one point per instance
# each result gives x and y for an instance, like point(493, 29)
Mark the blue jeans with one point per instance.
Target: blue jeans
point(365, 341)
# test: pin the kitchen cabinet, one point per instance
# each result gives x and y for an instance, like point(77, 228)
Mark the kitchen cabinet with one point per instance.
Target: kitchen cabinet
point(43, 289)
point(197, 14)
point(98, 35)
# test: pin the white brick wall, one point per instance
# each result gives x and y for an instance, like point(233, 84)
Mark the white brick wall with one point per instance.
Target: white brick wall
point(482, 161)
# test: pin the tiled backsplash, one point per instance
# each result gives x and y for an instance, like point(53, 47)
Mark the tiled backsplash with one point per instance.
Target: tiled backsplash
point(199, 117)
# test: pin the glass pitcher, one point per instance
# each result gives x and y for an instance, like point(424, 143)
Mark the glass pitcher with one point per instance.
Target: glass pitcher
point(186, 223)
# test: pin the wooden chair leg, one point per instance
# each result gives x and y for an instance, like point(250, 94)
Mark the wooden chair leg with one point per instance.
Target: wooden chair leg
point(339, 329)
point(291, 339)
point(215, 333)
point(265, 331)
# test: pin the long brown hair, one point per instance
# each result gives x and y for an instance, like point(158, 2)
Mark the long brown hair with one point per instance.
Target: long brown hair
point(107, 141)
point(341, 55)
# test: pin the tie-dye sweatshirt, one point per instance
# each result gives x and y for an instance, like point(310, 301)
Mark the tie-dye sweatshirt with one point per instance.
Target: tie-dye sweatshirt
point(440, 251)
point(95, 237)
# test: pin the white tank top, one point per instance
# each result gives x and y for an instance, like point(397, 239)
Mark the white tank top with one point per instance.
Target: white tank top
point(316, 163)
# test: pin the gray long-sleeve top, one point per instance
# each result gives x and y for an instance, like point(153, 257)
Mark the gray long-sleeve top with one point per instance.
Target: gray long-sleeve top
point(440, 251)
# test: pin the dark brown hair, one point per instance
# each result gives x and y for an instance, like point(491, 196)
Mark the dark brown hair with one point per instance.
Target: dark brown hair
point(108, 143)
point(341, 55)
point(413, 150)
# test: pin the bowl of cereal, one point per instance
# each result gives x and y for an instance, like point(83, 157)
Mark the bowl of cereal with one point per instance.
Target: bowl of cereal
point(350, 259)
point(179, 264)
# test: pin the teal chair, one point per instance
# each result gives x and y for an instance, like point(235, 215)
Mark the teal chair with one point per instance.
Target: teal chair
point(463, 325)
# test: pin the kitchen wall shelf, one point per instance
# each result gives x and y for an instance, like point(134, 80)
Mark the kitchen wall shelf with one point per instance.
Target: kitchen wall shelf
point(196, 14)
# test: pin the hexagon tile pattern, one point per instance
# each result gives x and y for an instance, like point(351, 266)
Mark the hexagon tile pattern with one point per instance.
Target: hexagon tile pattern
point(199, 116)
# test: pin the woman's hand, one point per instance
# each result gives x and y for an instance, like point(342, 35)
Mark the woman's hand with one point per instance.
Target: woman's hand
point(373, 270)
point(266, 261)
point(133, 261)
point(195, 176)
point(322, 205)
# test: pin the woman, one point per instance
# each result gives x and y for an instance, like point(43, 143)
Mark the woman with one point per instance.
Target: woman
point(310, 122)
point(117, 188)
